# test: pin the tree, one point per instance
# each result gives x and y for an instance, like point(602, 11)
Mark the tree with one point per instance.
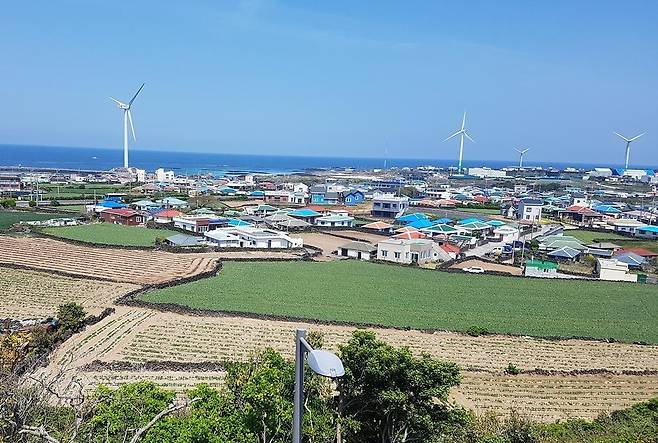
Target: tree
point(8, 202)
point(71, 316)
point(390, 396)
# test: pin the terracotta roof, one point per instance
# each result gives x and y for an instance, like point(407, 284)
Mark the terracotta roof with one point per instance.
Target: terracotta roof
point(168, 213)
point(411, 235)
point(639, 251)
point(377, 225)
point(123, 212)
point(450, 248)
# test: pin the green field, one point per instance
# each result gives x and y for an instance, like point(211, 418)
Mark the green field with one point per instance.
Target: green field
point(110, 234)
point(81, 209)
point(8, 218)
point(589, 237)
point(388, 295)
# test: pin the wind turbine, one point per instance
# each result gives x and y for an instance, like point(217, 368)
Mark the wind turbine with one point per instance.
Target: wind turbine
point(628, 145)
point(521, 152)
point(127, 117)
point(462, 133)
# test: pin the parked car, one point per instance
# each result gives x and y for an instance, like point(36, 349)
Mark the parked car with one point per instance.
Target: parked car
point(474, 270)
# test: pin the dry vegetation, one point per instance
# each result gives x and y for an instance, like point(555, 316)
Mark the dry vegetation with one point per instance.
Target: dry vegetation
point(31, 294)
point(141, 335)
point(120, 265)
point(136, 335)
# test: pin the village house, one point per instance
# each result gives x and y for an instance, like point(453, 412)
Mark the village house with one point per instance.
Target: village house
point(541, 268)
point(407, 251)
point(335, 221)
point(529, 209)
point(359, 250)
point(166, 216)
point(388, 205)
point(580, 215)
point(172, 202)
point(252, 237)
point(122, 216)
point(614, 270)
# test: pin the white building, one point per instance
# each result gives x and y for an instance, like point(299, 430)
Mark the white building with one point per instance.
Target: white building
point(487, 172)
point(629, 225)
point(164, 176)
point(359, 250)
point(614, 270)
point(388, 205)
point(529, 209)
point(506, 233)
point(407, 251)
point(251, 237)
point(335, 221)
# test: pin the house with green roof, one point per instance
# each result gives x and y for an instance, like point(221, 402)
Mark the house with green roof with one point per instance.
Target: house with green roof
point(541, 268)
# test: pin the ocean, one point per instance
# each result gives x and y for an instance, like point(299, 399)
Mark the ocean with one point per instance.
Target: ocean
point(102, 159)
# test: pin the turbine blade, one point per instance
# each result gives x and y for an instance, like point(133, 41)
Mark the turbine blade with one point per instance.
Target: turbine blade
point(453, 135)
point(464, 121)
point(519, 151)
point(130, 119)
point(117, 101)
point(525, 150)
point(637, 136)
point(621, 136)
point(469, 137)
point(135, 96)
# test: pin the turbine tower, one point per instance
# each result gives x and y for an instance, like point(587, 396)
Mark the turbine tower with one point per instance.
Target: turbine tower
point(521, 152)
point(628, 145)
point(462, 133)
point(127, 117)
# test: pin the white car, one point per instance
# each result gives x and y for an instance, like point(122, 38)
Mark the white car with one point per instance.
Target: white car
point(474, 270)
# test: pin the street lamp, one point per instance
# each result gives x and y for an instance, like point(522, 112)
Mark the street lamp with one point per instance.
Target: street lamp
point(324, 363)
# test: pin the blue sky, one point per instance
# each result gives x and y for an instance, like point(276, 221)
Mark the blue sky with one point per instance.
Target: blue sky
point(337, 78)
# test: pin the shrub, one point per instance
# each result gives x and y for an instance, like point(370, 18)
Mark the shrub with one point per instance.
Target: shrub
point(71, 316)
point(476, 331)
point(32, 203)
point(512, 369)
point(8, 202)
point(54, 202)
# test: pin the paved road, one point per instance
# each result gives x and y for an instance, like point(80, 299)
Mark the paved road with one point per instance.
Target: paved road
point(481, 251)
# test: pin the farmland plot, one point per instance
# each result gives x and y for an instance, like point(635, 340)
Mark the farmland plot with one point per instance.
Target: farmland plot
point(31, 294)
point(119, 265)
point(138, 335)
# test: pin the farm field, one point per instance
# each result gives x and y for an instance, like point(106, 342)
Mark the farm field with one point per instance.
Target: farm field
point(8, 218)
point(31, 294)
point(110, 234)
point(588, 237)
point(136, 335)
point(120, 265)
point(368, 293)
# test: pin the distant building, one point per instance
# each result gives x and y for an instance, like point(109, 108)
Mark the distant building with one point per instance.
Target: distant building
point(407, 251)
point(614, 270)
point(122, 216)
point(487, 173)
point(164, 176)
point(334, 221)
point(529, 209)
point(359, 250)
point(388, 205)
point(541, 268)
point(251, 237)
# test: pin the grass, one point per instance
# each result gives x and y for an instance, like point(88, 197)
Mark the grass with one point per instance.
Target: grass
point(110, 234)
point(81, 209)
point(589, 237)
point(8, 218)
point(386, 295)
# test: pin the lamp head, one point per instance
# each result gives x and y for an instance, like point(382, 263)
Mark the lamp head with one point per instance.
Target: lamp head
point(325, 363)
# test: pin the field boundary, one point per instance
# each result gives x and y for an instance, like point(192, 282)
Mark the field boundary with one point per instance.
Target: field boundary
point(132, 299)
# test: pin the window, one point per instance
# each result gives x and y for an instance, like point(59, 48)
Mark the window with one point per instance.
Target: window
point(386, 205)
point(397, 255)
point(384, 253)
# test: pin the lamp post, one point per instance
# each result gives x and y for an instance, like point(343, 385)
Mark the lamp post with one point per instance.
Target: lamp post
point(324, 363)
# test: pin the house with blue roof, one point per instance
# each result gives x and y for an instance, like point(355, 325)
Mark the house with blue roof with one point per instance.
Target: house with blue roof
point(236, 222)
point(409, 218)
point(353, 197)
point(112, 204)
point(443, 221)
point(421, 223)
point(172, 202)
point(647, 232)
point(470, 220)
point(306, 214)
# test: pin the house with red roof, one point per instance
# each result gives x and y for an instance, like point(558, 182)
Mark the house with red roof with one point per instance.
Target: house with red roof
point(122, 216)
point(642, 252)
point(166, 215)
point(580, 214)
point(452, 250)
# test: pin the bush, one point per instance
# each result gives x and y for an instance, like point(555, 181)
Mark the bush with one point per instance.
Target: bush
point(71, 316)
point(512, 369)
point(54, 202)
point(476, 331)
point(32, 203)
point(8, 202)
